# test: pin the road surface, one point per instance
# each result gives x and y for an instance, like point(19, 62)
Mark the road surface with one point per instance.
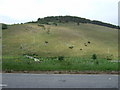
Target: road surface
point(59, 81)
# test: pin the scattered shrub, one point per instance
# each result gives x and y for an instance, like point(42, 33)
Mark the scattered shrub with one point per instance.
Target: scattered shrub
point(46, 42)
point(109, 57)
point(89, 42)
point(71, 47)
point(94, 56)
point(81, 49)
point(85, 44)
point(60, 58)
point(97, 62)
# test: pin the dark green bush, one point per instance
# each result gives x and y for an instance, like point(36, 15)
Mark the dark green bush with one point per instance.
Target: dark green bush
point(4, 26)
point(60, 58)
point(97, 62)
point(94, 56)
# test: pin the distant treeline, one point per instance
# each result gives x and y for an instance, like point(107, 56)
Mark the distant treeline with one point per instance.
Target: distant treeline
point(78, 20)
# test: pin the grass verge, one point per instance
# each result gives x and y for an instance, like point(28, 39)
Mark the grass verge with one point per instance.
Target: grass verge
point(53, 64)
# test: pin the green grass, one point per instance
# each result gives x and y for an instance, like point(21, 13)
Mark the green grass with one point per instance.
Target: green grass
point(73, 63)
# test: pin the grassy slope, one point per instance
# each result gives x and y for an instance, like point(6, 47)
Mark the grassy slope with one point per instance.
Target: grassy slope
point(32, 38)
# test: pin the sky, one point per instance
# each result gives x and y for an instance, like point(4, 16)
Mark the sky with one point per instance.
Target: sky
point(20, 11)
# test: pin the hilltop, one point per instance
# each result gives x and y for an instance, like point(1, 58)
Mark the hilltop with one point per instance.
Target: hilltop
point(75, 19)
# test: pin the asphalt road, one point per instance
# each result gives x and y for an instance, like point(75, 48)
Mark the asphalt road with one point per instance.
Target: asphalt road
point(59, 81)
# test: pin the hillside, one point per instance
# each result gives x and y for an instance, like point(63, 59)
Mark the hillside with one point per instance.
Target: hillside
point(59, 46)
point(64, 39)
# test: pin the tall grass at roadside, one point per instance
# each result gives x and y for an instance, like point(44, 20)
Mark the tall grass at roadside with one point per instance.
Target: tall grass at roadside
point(50, 64)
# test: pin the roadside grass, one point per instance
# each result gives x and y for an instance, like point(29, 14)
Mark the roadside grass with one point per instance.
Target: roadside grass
point(53, 64)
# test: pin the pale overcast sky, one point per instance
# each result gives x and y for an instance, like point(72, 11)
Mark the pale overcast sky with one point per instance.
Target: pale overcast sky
point(20, 11)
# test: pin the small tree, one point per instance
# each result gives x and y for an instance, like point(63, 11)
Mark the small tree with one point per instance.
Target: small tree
point(94, 56)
